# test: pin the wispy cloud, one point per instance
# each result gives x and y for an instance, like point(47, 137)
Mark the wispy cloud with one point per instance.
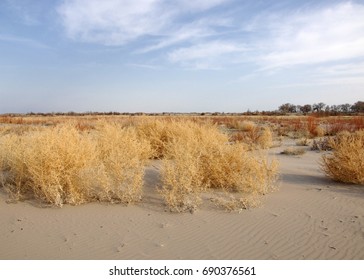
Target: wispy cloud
point(356, 68)
point(314, 36)
point(193, 36)
point(192, 32)
point(23, 41)
point(340, 74)
point(117, 22)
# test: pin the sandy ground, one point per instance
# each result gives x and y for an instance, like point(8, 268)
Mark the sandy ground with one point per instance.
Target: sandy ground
point(309, 217)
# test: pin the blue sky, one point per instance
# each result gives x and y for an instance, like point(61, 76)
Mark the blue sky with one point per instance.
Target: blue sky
point(181, 55)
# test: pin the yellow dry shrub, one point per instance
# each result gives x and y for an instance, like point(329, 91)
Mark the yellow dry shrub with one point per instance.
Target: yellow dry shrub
point(320, 131)
point(265, 139)
point(346, 162)
point(17, 129)
point(245, 125)
point(257, 138)
point(202, 159)
point(63, 165)
point(121, 157)
point(47, 164)
point(182, 179)
point(158, 133)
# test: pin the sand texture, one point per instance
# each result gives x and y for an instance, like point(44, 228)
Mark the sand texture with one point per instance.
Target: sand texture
point(309, 217)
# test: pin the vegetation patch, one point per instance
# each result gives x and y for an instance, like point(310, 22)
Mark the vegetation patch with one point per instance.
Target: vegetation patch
point(203, 160)
point(346, 161)
point(293, 151)
point(79, 162)
point(61, 165)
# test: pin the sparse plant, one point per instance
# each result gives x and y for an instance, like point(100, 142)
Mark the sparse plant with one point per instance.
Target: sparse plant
point(46, 163)
point(312, 126)
point(321, 144)
point(202, 160)
point(293, 151)
point(257, 138)
point(121, 157)
point(346, 162)
point(158, 133)
point(303, 142)
point(232, 202)
point(61, 165)
point(265, 139)
point(320, 131)
point(246, 125)
point(75, 161)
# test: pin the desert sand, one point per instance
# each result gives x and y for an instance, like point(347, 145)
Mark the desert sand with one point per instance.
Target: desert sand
point(308, 217)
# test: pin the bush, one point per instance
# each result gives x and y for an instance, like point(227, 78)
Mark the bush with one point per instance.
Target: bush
point(183, 179)
point(293, 151)
point(121, 157)
point(157, 133)
point(63, 165)
point(256, 138)
point(303, 142)
point(265, 139)
point(346, 162)
point(203, 160)
point(321, 144)
point(69, 164)
point(46, 163)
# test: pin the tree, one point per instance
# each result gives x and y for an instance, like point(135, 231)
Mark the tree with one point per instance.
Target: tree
point(287, 108)
point(318, 106)
point(334, 109)
point(358, 107)
point(345, 108)
point(306, 109)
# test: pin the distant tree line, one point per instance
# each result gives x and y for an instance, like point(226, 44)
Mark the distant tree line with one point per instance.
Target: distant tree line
point(320, 109)
point(323, 109)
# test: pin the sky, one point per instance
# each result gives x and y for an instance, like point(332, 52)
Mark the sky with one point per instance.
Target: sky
point(180, 55)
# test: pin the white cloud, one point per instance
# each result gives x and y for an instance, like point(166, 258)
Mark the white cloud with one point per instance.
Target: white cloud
point(189, 32)
point(117, 22)
point(198, 5)
point(111, 22)
point(343, 69)
point(340, 74)
point(329, 34)
point(270, 41)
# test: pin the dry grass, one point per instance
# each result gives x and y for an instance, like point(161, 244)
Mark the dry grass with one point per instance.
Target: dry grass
point(158, 133)
point(182, 176)
point(303, 142)
point(246, 125)
point(46, 163)
point(265, 139)
point(346, 162)
point(74, 162)
point(256, 138)
point(61, 165)
point(321, 144)
point(203, 160)
point(293, 151)
point(121, 156)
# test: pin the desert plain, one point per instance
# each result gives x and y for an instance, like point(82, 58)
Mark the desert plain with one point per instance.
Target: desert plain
point(308, 216)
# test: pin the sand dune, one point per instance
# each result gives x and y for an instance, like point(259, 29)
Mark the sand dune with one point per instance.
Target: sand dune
point(309, 217)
